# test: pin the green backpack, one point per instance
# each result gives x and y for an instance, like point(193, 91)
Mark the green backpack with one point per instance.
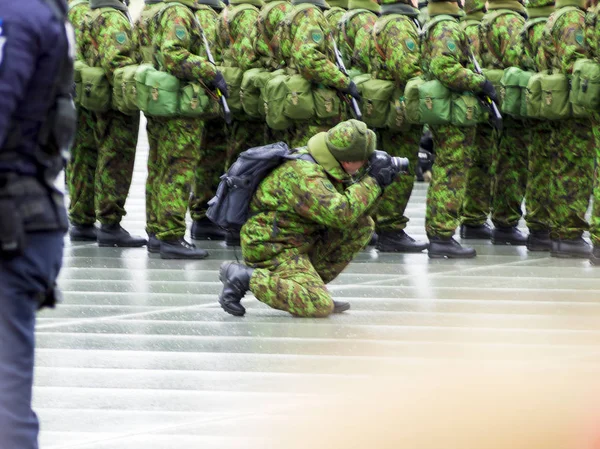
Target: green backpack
point(376, 96)
point(412, 101)
point(435, 103)
point(495, 77)
point(514, 89)
point(534, 96)
point(555, 103)
point(194, 102)
point(250, 93)
point(260, 82)
point(95, 88)
point(124, 93)
point(328, 106)
point(585, 85)
point(158, 92)
point(77, 68)
point(275, 95)
point(233, 77)
point(299, 104)
point(467, 110)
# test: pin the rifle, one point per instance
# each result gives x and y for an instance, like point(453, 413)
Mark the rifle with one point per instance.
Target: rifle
point(226, 111)
point(496, 116)
point(340, 63)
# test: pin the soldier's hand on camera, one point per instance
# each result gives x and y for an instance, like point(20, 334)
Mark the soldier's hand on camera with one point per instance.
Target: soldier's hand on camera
point(219, 83)
point(487, 89)
point(352, 90)
point(382, 168)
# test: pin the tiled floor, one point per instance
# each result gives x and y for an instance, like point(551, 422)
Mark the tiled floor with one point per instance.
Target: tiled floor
point(141, 356)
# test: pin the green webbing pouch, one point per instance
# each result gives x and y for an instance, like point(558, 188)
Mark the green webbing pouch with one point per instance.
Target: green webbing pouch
point(124, 94)
point(585, 85)
point(78, 67)
point(534, 96)
point(96, 90)
point(260, 82)
point(250, 93)
point(299, 102)
point(555, 97)
point(466, 110)
point(194, 102)
point(275, 98)
point(328, 106)
point(411, 99)
point(435, 103)
point(233, 77)
point(514, 88)
point(396, 119)
point(376, 97)
point(158, 92)
point(495, 77)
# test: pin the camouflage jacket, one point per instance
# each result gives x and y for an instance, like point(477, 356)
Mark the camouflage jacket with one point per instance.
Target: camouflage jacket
point(303, 42)
point(445, 51)
point(106, 41)
point(237, 35)
point(534, 58)
point(395, 53)
point(145, 29)
point(78, 9)
point(208, 18)
point(178, 46)
point(500, 46)
point(354, 38)
point(333, 16)
point(299, 200)
point(270, 18)
point(592, 32)
point(470, 25)
point(564, 38)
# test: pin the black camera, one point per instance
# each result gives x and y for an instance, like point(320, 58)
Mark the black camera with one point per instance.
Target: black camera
point(401, 163)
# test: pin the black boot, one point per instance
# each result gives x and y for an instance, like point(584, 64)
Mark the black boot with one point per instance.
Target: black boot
point(204, 229)
point(340, 306)
point(374, 239)
point(571, 249)
point(236, 282)
point(595, 256)
point(508, 236)
point(480, 232)
point(83, 233)
point(153, 244)
point(399, 242)
point(539, 241)
point(115, 235)
point(180, 249)
point(233, 239)
point(440, 247)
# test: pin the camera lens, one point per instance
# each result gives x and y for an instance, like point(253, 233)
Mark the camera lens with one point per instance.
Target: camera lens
point(401, 163)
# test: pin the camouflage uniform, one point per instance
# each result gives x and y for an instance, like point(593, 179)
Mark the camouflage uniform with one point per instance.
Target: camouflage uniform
point(334, 14)
point(308, 222)
point(395, 55)
point(354, 31)
point(444, 56)
point(573, 162)
point(540, 153)
point(106, 42)
point(500, 48)
point(306, 50)
point(179, 50)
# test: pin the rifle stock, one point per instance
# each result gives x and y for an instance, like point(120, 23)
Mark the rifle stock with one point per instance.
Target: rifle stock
point(222, 99)
point(493, 107)
point(340, 63)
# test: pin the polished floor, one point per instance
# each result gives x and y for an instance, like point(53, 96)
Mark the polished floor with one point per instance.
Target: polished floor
point(140, 355)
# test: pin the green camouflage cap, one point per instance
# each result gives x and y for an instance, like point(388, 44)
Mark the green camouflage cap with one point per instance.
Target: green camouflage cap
point(351, 141)
point(472, 6)
point(370, 5)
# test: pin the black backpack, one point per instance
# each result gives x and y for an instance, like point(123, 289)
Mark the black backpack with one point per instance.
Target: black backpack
point(230, 207)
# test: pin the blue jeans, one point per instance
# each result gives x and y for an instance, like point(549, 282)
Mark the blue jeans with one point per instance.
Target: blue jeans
point(22, 281)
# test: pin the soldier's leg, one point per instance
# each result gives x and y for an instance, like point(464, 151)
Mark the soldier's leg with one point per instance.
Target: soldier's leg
point(509, 183)
point(153, 172)
point(293, 286)
point(537, 198)
point(595, 221)
point(390, 220)
point(81, 173)
point(446, 191)
point(478, 192)
point(572, 182)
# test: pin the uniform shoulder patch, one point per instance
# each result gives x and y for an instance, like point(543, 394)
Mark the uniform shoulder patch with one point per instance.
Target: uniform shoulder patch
point(121, 37)
point(316, 35)
point(580, 37)
point(410, 44)
point(180, 32)
point(451, 46)
point(328, 186)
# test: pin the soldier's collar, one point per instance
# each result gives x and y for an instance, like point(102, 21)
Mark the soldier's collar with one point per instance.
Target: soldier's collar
point(512, 5)
point(399, 8)
point(317, 147)
point(444, 8)
point(540, 11)
point(476, 15)
point(116, 4)
point(577, 3)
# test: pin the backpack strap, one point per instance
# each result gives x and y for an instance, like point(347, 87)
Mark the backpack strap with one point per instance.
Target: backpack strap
point(486, 26)
point(77, 3)
point(551, 25)
point(263, 15)
point(345, 20)
point(379, 27)
point(464, 24)
point(227, 16)
point(433, 22)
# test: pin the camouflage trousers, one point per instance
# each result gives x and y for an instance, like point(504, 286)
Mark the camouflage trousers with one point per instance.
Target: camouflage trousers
point(153, 175)
point(595, 222)
point(537, 198)
point(389, 216)
point(179, 141)
point(295, 280)
point(453, 146)
point(572, 170)
point(101, 166)
point(244, 134)
point(477, 202)
point(212, 162)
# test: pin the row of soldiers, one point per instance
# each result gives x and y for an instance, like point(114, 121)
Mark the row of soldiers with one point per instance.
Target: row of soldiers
point(478, 171)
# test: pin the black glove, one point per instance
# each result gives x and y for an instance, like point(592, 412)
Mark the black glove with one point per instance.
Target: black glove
point(352, 90)
point(487, 90)
point(219, 83)
point(383, 168)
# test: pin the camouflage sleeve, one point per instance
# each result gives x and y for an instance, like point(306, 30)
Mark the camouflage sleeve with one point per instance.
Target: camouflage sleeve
point(472, 33)
point(175, 43)
point(446, 53)
point(318, 200)
point(505, 39)
point(244, 33)
point(308, 52)
point(402, 51)
point(569, 34)
point(116, 47)
point(208, 22)
point(362, 50)
point(536, 34)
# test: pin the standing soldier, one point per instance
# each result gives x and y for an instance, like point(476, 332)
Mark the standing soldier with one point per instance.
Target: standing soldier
point(499, 49)
point(309, 55)
point(571, 139)
point(214, 139)
point(334, 14)
point(444, 53)
point(144, 33)
point(179, 51)
point(106, 42)
point(395, 55)
point(540, 153)
point(270, 18)
point(357, 23)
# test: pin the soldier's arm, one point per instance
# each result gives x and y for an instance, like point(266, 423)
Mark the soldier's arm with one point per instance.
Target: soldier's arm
point(570, 41)
point(175, 46)
point(116, 46)
point(308, 53)
point(245, 35)
point(318, 200)
point(507, 36)
point(446, 60)
point(402, 51)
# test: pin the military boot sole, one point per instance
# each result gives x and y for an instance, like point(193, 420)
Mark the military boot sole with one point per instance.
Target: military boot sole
point(82, 238)
point(401, 249)
point(208, 236)
point(340, 307)
point(452, 256)
point(115, 244)
point(182, 256)
point(153, 249)
point(475, 234)
point(224, 305)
